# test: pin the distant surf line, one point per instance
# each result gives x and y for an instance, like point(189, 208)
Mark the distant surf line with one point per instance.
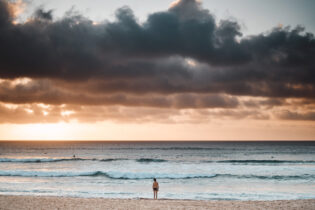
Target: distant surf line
point(147, 160)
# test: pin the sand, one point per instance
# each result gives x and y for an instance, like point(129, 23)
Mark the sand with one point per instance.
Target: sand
point(47, 203)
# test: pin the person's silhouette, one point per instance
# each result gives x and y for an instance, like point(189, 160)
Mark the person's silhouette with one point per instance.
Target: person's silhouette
point(155, 187)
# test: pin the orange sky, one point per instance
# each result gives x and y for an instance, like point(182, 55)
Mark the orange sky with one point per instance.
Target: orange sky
point(255, 118)
point(230, 130)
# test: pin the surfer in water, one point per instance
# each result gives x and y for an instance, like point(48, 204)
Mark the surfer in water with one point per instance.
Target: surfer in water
point(155, 188)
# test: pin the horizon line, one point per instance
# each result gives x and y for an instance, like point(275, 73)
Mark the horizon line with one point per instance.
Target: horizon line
point(283, 140)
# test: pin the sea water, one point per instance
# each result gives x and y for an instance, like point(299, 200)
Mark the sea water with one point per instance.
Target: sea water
point(184, 170)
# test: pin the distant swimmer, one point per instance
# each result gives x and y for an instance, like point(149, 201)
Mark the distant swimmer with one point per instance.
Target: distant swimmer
point(155, 188)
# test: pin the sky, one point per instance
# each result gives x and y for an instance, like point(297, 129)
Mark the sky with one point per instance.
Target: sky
point(157, 70)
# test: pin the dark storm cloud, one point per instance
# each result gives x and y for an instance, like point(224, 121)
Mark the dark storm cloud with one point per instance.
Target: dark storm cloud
point(4, 14)
point(45, 91)
point(125, 56)
point(184, 30)
point(41, 14)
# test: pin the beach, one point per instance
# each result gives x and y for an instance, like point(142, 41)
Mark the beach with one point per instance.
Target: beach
point(8, 202)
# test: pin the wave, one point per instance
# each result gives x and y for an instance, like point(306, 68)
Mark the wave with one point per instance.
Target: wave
point(112, 159)
point(273, 177)
point(46, 160)
point(39, 160)
point(148, 160)
point(263, 161)
point(111, 175)
point(140, 176)
point(45, 173)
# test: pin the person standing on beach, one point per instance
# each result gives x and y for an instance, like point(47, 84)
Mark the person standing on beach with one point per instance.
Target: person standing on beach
point(155, 188)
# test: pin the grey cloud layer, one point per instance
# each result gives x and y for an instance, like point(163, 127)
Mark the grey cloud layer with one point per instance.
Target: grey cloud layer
point(44, 91)
point(129, 57)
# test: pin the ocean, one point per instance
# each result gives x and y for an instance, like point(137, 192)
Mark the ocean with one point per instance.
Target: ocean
point(184, 170)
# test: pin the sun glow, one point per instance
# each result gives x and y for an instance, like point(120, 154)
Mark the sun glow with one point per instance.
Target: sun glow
point(191, 62)
point(16, 8)
point(17, 81)
point(177, 2)
point(45, 131)
point(67, 113)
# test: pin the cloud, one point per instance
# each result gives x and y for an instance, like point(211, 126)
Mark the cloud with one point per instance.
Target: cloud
point(41, 14)
point(180, 58)
point(73, 48)
point(44, 91)
point(39, 113)
point(293, 115)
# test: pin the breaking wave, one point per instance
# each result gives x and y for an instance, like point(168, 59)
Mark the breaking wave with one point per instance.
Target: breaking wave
point(139, 176)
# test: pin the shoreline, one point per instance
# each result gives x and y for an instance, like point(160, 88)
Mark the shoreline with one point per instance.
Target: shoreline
point(8, 202)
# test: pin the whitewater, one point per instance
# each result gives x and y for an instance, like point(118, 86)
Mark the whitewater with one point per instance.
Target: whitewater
point(185, 170)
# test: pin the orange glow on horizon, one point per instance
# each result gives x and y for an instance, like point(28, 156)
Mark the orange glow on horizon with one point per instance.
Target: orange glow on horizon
point(217, 130)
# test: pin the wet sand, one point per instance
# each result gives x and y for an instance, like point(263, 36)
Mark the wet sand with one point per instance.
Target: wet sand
point(51, 202)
